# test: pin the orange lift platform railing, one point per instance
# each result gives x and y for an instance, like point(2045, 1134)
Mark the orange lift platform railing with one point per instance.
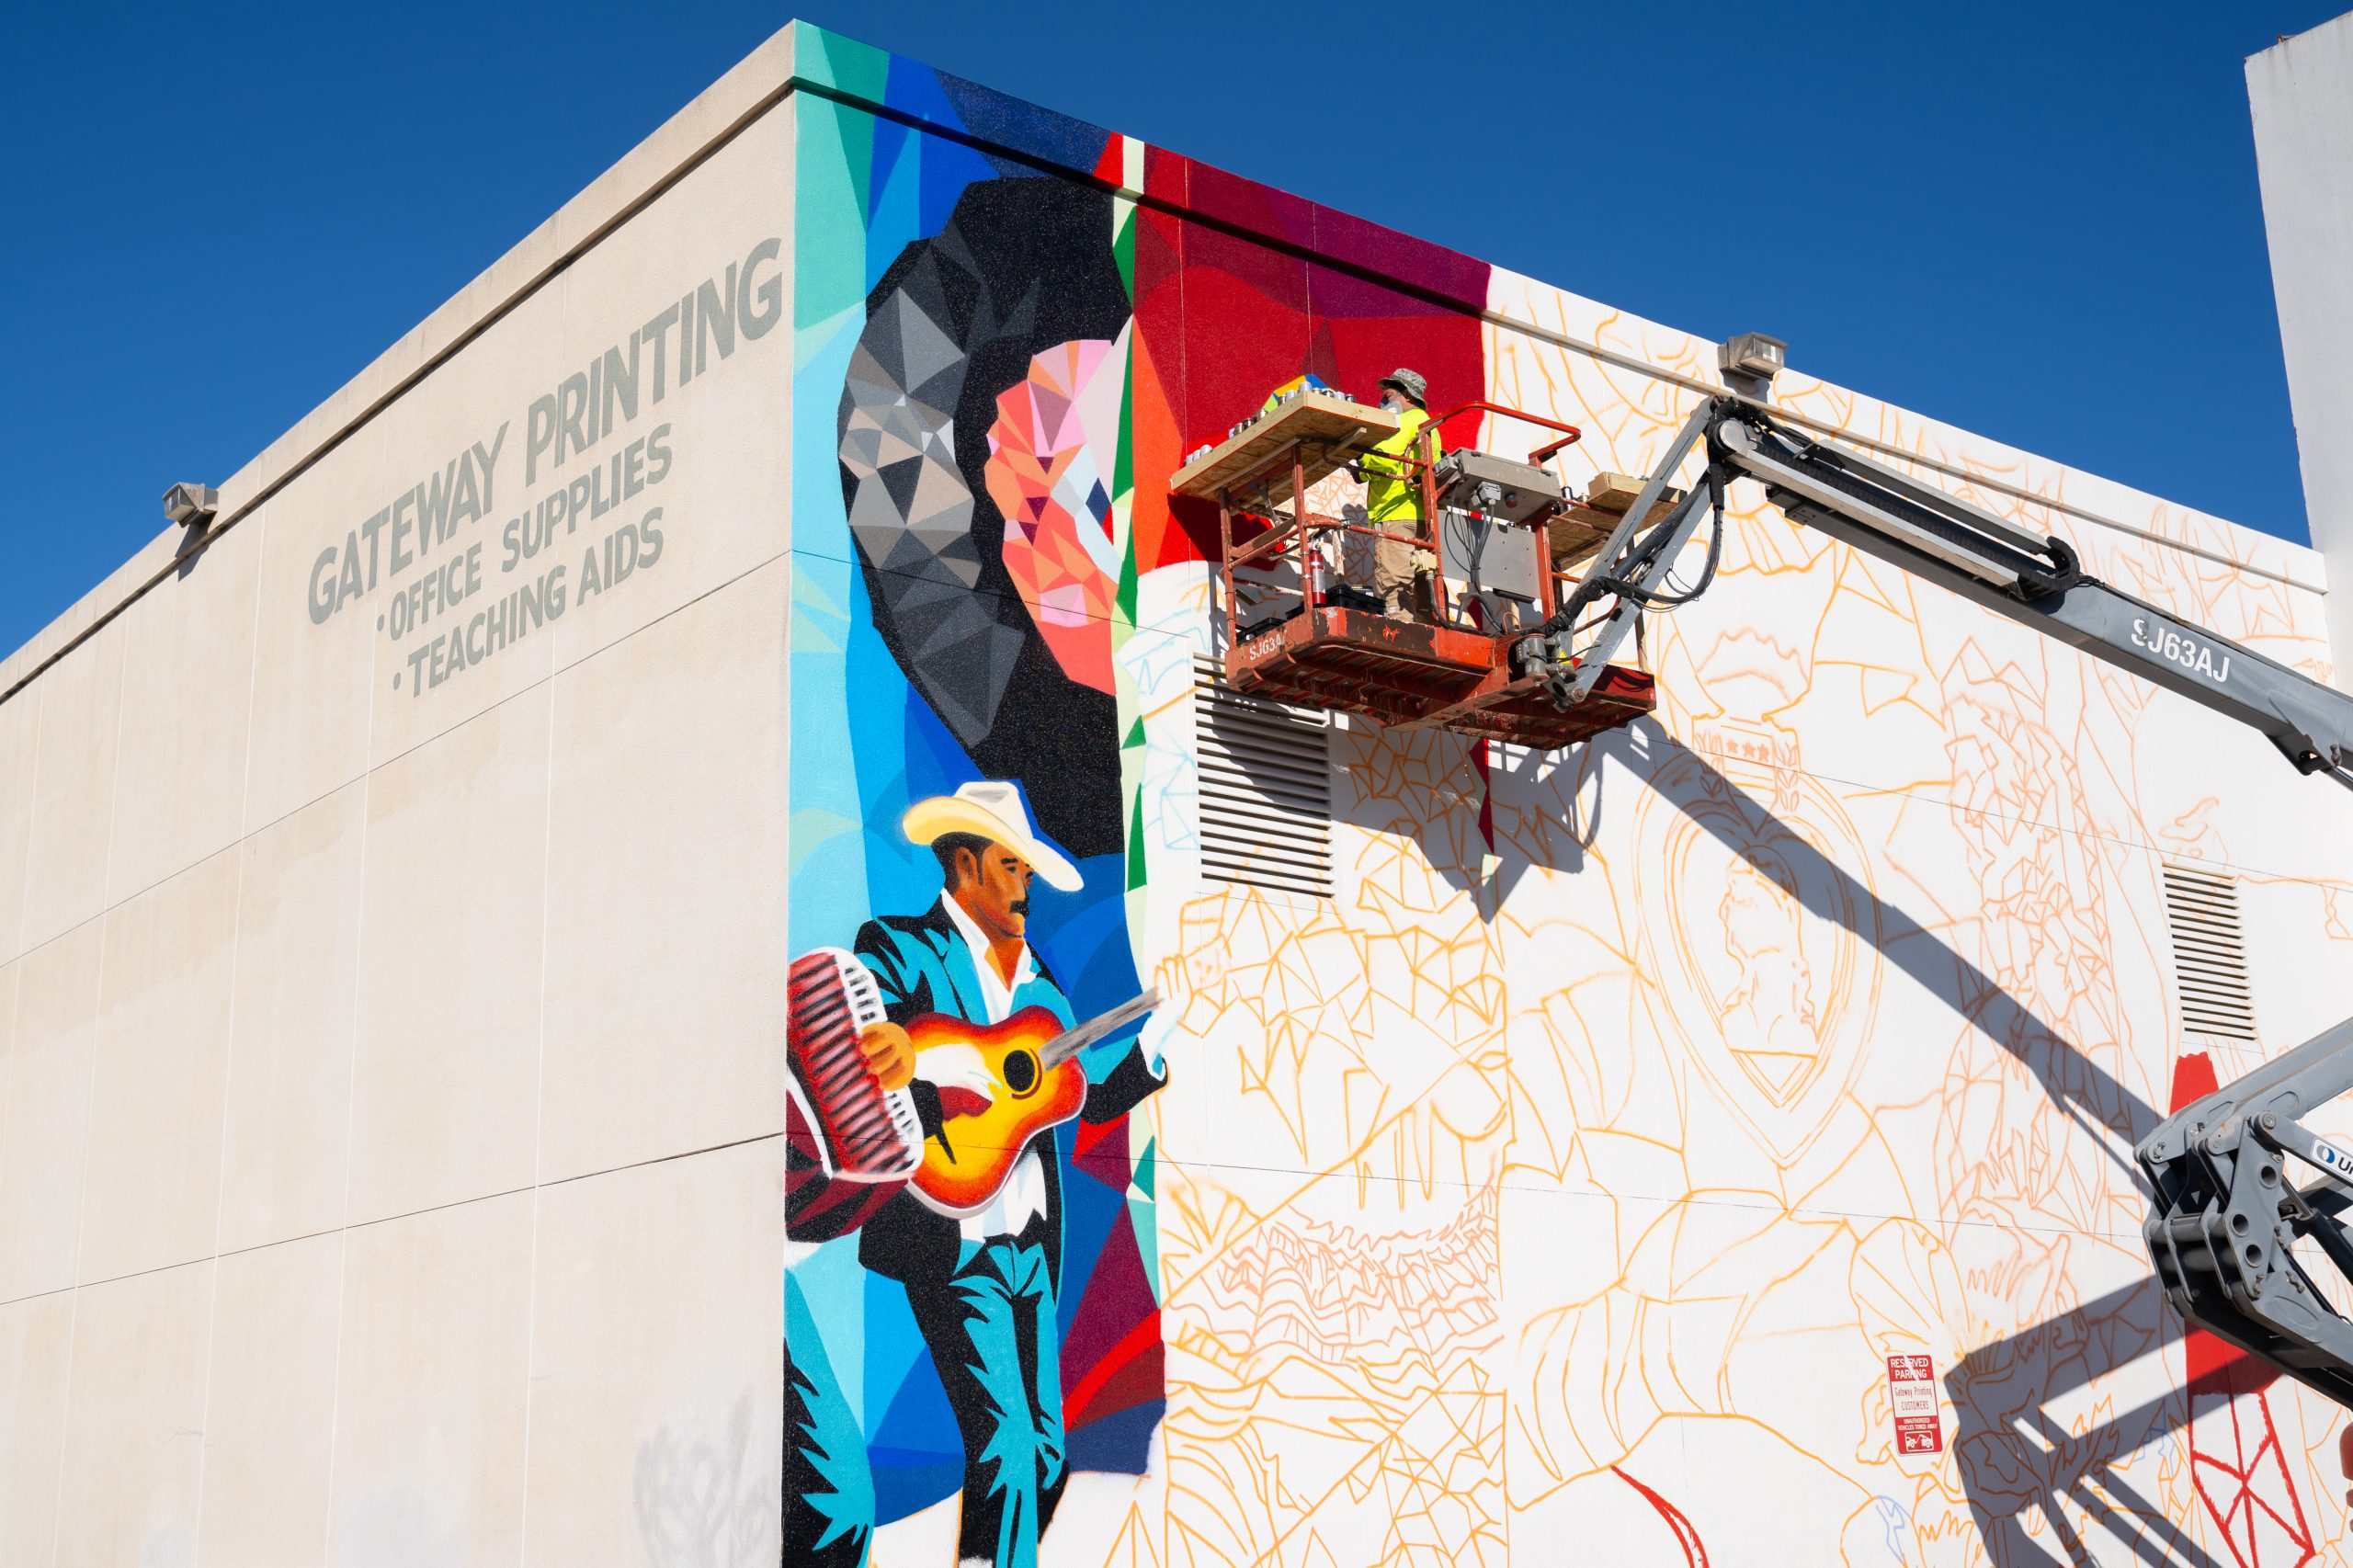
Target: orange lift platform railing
point(1504, 535)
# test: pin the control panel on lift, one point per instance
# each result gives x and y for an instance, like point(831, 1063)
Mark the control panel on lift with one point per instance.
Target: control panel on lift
point(1492, 550)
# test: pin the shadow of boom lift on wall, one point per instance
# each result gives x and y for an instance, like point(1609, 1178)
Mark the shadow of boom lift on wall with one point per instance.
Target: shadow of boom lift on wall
point(2018, 1460)
point(2110, 1112)
point(2014, 1457)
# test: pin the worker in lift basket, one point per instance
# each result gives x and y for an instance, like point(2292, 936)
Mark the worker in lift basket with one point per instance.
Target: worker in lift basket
point(1392, 497)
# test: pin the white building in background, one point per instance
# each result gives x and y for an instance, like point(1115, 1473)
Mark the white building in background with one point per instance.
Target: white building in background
point(2302, 89)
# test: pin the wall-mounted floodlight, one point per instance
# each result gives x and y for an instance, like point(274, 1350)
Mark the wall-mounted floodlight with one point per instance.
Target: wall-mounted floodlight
point(191, 503)
point(1750, 361)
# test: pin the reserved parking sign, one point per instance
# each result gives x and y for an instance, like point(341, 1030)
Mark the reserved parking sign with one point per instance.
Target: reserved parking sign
point(1911, 1386)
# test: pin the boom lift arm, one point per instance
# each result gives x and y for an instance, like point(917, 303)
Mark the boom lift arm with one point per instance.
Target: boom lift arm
point(2223, 1210)
point(2034, 580)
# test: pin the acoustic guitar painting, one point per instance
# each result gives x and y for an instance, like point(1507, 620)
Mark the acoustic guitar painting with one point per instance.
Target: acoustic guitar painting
point(1035, 1082)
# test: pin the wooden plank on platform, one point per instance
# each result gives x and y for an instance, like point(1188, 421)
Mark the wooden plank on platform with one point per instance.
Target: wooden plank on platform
point(1613, 491)
point(1325, 421)
point(1577, 532)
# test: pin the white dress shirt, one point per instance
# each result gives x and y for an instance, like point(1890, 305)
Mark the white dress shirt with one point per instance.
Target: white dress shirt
point(1024, 1193)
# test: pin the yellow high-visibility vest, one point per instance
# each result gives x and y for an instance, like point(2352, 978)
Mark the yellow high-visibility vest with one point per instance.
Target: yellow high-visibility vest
point(1392, 488)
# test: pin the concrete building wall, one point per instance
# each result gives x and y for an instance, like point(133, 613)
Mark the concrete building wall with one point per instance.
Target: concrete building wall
point(390, 1122)
point(2301, 92)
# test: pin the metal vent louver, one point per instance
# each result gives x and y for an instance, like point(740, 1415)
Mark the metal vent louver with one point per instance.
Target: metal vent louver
point(2209, 953)
point(1265, 787)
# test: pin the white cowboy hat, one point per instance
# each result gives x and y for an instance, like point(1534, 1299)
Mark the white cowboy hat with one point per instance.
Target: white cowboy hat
point(996, 809)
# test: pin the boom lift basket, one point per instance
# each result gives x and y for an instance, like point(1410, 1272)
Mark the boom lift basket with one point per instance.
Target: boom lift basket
point(1296, 633)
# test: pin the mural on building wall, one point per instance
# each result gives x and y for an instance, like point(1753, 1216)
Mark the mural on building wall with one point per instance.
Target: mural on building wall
point(995, 391)
point(980, 433)
point(1588, 1169)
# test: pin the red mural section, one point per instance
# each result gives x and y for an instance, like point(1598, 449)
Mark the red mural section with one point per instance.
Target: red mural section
point(2236, 1459)
point(1112, 1360)
point(1222, 319)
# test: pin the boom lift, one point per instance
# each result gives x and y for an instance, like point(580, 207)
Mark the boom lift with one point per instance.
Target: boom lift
point(2224, 1213)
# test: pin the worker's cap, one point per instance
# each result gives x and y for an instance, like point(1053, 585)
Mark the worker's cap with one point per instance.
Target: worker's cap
point(1410, 382)
point(996, 809)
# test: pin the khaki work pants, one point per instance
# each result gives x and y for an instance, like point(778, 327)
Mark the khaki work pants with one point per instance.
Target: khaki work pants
point(1397, 565)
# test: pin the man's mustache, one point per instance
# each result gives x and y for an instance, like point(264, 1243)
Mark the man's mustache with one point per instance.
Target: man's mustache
point(1020, 906)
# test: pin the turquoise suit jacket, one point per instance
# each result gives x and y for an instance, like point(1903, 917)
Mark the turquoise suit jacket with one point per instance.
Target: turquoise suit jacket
point(922, 965)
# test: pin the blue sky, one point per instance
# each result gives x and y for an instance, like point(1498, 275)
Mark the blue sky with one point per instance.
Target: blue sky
point(2040, 222)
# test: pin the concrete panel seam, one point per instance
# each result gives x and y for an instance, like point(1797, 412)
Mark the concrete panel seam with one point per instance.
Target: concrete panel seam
point(298, 809)
point(220, 1159)
point(539, 1107)
point(350, 1108)
point(546, 679)
point(408, 1214)
point(73, 1321)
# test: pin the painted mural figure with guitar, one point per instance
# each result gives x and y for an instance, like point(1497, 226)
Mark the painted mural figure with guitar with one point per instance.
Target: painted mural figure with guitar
point(981, 1037)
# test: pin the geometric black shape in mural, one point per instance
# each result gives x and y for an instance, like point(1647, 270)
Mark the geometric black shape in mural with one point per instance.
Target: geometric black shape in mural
point(1021, 265)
